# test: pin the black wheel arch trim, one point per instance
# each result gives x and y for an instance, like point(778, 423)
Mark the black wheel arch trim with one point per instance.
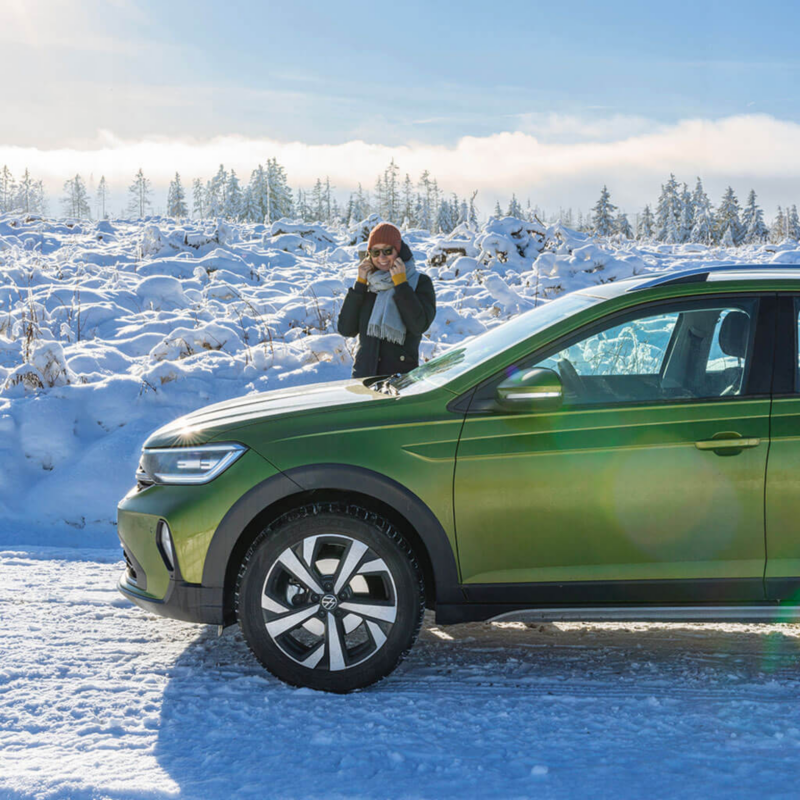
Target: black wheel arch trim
point(336, 477)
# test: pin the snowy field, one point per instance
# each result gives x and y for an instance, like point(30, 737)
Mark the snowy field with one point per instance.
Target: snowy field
point(101, 700)
point(107, 331)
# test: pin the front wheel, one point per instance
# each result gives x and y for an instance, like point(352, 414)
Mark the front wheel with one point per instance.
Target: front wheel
point(330, 597)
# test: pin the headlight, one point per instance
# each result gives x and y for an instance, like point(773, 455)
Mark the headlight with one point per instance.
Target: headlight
point(187, 464)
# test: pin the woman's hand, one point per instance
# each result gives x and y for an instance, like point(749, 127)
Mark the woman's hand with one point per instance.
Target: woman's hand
point(364, 268)
point(398, 268)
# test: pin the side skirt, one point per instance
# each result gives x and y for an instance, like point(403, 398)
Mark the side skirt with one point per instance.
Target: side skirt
point(761, 613)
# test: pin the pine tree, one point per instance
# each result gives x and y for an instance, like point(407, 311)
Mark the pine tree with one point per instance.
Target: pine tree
point(102, 197)
point(216, 193)
point(755, 230)
point(198, 199)
point(233, 198)
point(646, 225)
point(41, 198)
point(703, 230)
point(391, 189)
point(777, 232)
point(603, 219)
point(408, 202)
point(176, 199)
point(425, 209)
point(76, 199)
point(359, 210)
point(793, 223)
point(139, 195)
point(444, 219)
point(473, 214)
point(26, 194)
point(498, 212)
point(281, 201)
point(668, 211)
point(727, 218)
point(687, 215)
point(515, 209)
point(622, 226)
point(7, 190)
point(328, 201)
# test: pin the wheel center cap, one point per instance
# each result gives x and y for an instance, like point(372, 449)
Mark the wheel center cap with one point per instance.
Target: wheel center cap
point(329, 602)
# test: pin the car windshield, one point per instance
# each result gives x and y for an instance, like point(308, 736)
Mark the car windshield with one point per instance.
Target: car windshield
point(463, 357)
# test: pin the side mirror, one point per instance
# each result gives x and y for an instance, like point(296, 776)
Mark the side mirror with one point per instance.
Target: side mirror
point(537, 389)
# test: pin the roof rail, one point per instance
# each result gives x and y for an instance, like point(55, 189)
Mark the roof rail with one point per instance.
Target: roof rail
point(700, 274)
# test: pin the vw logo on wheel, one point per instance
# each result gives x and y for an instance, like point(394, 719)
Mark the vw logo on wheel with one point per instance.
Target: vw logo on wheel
point(329, 602)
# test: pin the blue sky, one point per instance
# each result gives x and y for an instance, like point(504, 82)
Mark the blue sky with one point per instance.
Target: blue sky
point(391, 75)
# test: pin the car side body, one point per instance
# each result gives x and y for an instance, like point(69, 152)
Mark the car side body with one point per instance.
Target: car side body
point(682, 507)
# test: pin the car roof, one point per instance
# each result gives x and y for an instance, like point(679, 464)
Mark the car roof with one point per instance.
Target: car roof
point(705, 273)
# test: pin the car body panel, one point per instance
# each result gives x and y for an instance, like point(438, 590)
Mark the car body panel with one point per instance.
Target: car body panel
point(193, 514)
point(613, 493)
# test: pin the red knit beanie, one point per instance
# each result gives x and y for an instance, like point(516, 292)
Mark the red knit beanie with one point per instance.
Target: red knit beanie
point(385, 233)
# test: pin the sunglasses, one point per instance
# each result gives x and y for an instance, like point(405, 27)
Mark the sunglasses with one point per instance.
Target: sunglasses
point(381, 251)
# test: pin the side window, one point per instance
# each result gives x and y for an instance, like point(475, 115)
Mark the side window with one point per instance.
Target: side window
point(690, 352)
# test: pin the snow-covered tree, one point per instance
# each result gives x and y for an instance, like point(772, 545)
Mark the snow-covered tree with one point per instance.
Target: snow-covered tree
point(139, 193)
point(26, 194)
point(703, 227)
point(76, 199)
point(515, 209)
point(473, 213)
point(792, 223)
point(198, 199)
point(360, 208)
point(755, 229)
point(777, 231)
point(646, 227)
point(686, 222)
point(728, 219)
point(216, 193)
point(391, 188)
point(408, 201)
point(668, 212)
point(176, 199)
point(233, 198)
point(603, 214)
point(444, 218)
point(281, 200)
point(622, 226)
point(7, 189)
point(101, 197)
point(425, 210)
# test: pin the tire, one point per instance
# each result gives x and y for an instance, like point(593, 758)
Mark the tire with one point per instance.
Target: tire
point(330, 596)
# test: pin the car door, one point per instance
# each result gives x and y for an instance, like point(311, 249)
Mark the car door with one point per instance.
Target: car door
point(647, 484)
point(782, 575)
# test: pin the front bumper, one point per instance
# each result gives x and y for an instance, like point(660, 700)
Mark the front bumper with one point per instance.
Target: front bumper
point(189, 602)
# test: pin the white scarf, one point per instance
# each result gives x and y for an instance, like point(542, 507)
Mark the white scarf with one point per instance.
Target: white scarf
point(385, 321)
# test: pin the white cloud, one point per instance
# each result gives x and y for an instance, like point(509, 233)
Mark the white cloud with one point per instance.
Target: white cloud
point(744, 151)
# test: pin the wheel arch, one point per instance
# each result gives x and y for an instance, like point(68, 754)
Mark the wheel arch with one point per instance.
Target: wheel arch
point(328, 483)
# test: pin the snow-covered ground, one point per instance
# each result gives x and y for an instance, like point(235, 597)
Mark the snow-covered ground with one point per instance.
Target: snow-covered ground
point(102, 700)
point(107, 331)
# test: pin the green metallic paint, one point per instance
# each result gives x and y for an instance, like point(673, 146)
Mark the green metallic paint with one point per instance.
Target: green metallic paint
point(411, 440)
point(192, 513)
point(611, 493)
point(576, 494)
point(783, 491)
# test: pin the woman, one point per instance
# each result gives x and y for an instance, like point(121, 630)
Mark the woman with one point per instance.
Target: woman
point(389, 307)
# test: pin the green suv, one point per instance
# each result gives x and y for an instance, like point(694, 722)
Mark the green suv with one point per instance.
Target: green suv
point(630, 451)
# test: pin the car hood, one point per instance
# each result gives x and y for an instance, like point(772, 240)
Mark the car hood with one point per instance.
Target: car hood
point(211, 421)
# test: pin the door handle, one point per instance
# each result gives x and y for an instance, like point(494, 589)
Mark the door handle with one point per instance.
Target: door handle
point(727, 442)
